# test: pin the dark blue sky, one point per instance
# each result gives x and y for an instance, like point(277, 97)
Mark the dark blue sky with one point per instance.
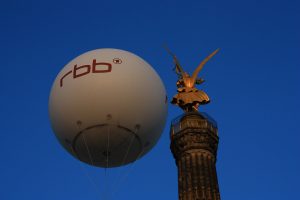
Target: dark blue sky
point(253, 83)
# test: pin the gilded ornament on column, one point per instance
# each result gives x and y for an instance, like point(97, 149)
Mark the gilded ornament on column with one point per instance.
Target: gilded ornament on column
point(188, 97)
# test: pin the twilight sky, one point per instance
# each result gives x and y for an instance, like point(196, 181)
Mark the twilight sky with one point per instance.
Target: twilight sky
point(253, 83)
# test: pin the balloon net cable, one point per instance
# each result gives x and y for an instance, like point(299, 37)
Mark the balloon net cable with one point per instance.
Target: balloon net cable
point(88, 149)
point(85, 172)
point(107, 147)
point(107, 164)
point(117, 181)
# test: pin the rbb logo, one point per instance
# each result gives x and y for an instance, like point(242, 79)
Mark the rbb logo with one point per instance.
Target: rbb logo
point(88, 69)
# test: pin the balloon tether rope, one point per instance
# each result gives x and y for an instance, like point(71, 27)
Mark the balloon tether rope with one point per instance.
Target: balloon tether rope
point(117, 182)
point(85, 172)
point(128, 171)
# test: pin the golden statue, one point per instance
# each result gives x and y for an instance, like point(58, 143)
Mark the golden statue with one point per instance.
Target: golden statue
point(189, 97)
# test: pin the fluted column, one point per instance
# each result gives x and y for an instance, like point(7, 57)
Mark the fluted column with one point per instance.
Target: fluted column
point(194, 143)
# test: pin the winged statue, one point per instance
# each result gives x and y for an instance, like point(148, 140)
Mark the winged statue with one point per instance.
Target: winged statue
point(188, 97)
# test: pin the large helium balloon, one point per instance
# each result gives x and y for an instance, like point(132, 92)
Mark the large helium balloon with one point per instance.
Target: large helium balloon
point(108, 107)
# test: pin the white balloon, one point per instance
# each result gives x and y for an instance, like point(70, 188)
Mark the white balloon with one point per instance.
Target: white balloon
point(108, 107)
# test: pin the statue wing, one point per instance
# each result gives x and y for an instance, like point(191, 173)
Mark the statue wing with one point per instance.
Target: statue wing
point(178, 68)
point(200, 66)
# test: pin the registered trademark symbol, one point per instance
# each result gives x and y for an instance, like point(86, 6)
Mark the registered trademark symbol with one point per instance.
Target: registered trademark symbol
point(117, 60)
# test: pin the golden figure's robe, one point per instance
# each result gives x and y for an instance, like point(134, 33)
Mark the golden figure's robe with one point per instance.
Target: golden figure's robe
point(190, 96)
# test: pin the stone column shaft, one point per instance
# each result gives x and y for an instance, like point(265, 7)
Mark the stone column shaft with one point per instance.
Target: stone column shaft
point(194, 147)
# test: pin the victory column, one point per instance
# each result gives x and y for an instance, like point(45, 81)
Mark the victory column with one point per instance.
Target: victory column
point(194, 138)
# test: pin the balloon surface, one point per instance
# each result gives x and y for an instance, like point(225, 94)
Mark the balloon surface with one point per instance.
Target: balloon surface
point(108, 107)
